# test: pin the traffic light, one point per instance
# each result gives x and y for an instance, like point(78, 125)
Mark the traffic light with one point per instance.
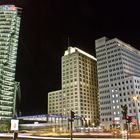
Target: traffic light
point(129, 119)
point(72, 114)
point(124, 111)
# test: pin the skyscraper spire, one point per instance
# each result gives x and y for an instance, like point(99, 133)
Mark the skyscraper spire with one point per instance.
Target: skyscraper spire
point(68, 41)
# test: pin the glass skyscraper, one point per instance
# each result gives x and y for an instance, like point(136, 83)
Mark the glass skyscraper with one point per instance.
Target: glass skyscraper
point(9, 33)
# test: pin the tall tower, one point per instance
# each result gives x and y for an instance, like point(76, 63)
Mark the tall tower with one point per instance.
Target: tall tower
point(9, 33)
point(79, 87)
point(79, 84)
point(118, 66)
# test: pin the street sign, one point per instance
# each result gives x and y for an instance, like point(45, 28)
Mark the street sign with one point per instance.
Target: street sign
point(14, 125)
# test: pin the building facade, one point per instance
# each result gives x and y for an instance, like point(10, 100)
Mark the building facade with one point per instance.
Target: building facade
point(55, 102)
point(9, 32)
point(79, 86)
point(118, 66)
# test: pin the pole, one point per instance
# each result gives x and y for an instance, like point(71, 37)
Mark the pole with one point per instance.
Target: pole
point(15, 134)
point(127, 130)
point(136, 107)
point(71, 130)
point(68, 125)
point(137, 115)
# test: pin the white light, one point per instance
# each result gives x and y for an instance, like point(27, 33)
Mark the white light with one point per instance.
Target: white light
point(74, 49)
point(117, 118)
point(134, 98)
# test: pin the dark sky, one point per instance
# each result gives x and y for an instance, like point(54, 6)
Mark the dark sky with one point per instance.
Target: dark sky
point(45, 26)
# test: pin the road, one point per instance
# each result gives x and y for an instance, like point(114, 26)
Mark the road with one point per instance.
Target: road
point(47, 138)
point(54, 138)
point(103, 139)
point(26, 137)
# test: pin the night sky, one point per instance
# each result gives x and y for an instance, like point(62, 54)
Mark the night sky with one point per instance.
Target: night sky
point(45, 27)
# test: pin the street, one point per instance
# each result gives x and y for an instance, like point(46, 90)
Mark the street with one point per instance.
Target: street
point(26, 137)
point(51, 138)
point(103, 139)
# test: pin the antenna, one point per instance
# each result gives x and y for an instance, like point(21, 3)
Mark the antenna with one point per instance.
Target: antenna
point(68, 41)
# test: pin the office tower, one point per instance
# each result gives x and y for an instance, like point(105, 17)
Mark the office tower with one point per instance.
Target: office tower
point(79, 86)
point(9, 33)
point(118, 66)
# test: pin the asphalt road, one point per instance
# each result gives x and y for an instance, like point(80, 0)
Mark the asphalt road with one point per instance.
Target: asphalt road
point(29, 137)
point(51, 138)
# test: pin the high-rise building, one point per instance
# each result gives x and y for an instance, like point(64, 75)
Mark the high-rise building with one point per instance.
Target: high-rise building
point(118, 66)
point(79, 87)
point(9, 33)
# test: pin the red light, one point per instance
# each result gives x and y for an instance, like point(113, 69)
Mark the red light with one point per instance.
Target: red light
point(13, 8)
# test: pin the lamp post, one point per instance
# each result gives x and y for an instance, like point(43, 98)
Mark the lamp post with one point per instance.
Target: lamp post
point(72, 115)
point(137, 116)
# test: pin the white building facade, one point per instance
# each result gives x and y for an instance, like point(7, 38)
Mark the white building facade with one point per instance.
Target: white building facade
point(118, 66)
point(79, 85)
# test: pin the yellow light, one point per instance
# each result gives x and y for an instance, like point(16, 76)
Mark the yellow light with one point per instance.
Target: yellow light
point(134, 98)
point(53, 129)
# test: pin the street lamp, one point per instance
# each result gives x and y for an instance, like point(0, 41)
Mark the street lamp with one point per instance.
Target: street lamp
point(137, 117)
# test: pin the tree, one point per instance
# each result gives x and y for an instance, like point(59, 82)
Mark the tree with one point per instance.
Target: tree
point(124, 111)
point(72, 114)
point(4, 126)
point(129, 119)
